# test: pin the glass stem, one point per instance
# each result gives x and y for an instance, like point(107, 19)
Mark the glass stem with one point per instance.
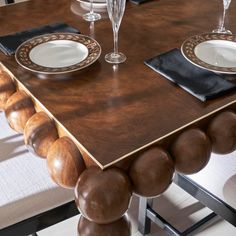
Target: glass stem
point(91, 6)
point(223, 21)
point(115, 35)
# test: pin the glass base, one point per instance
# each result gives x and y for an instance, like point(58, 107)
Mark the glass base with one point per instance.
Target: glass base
point(91, 16)
point(221, 31)
point(115, 58)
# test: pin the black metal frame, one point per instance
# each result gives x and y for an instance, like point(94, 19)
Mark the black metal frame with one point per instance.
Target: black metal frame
point(219, 208)
point(41, 221)
point(206, 198)
point(148, 215)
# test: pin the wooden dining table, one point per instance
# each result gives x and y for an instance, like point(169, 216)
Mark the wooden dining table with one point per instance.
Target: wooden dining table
point(117, 129)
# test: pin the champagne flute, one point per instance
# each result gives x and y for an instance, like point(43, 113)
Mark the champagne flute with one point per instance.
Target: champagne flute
point(222, 28)
point(91, 16)
point(115, 10)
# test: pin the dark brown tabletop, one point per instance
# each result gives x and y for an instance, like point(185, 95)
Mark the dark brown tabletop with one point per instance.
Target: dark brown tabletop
point(115, 112)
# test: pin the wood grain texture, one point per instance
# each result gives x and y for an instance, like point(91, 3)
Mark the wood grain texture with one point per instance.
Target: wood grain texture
point(121, 227)
point(40, 133)
point(103, 196)
point(151, 173)
point(7, 88)
point(222, 132)
point(65, 163)
point(191, 151)
point(115, 112)
point(18, 109)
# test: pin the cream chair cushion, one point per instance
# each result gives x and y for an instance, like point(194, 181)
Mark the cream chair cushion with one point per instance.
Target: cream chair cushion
point(25, 186)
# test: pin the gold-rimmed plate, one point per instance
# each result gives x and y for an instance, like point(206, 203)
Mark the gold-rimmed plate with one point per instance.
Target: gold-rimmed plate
point(58, 53)
point(211, 51)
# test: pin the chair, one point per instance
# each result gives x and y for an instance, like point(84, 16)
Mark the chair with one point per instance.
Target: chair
point(214, 187)
point(29, 200)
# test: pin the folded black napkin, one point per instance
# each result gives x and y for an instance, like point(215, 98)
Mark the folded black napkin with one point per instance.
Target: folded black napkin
point(139, 1)
point(9, 43)
point(201, 83)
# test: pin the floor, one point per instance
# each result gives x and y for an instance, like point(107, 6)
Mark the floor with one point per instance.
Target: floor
point(175, 205)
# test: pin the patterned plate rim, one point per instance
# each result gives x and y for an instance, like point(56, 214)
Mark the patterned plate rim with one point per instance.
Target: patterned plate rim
point(189, 45)
point(23, 59)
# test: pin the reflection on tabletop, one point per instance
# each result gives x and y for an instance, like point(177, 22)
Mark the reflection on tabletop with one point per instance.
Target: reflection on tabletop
point(91, 16)
point(221, 28)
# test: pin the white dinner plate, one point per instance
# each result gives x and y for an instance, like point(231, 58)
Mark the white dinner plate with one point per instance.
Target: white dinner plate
point(98, 5)
point(94, 1)
point(58, 53)
point(214, 52)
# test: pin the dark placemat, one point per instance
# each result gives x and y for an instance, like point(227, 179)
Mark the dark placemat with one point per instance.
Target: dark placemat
point(139, 1)
point(201, 83)
point(9, 43)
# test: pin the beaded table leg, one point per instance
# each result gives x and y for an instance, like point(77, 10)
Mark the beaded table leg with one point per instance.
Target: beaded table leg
point(121, 227)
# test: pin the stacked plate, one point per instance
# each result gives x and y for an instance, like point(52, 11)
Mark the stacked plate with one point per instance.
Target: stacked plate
point(98, 5)
point(215, 52)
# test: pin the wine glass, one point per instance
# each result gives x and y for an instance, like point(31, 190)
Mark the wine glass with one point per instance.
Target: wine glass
point(115, 10)
point(91, 16)
point(221, 28)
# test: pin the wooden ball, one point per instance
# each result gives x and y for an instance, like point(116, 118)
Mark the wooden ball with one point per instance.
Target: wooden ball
point(191, 151)
point(40, 133)
point(103, 196)
point(65, 163)
point(151, 172)
point(7, 88)
point(121, 227)
point(18, 109)
point(222, 132)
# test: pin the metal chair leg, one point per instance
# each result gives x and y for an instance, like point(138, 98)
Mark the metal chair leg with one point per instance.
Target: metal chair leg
point(144, 223)
point(148, 215)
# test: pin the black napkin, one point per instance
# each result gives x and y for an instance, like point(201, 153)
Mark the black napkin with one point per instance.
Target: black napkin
point(9, 43)
point(201, 83)
point(139, 1)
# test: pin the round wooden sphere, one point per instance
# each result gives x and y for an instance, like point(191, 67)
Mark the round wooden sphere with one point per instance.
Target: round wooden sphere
point(40, 133)
point(65, 163)
point(18, 109)
point(222, 132)
point(103, 196)
point(151, 172)
point(191, 151)
point(7, 88)
point(121, 227)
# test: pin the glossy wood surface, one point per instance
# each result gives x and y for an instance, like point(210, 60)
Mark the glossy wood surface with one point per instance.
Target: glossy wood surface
point(121, 227)
point(151, 173)
point(65, 163)
point(7, 88)
point(191, 151)
point(40, 133)
point(103, 196)
point(114, 112)
point(18, 109)
point(222, 132)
